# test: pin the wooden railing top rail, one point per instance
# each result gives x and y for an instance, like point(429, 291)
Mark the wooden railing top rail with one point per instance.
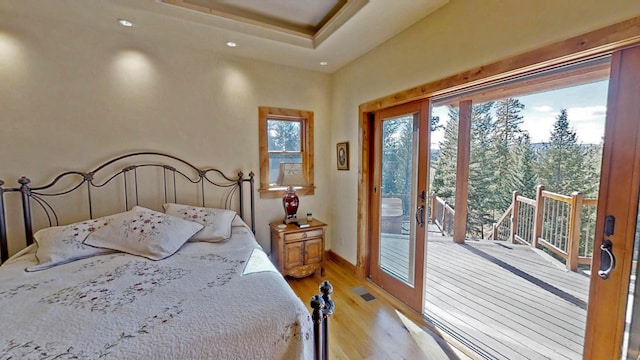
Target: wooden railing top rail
point(449, 208)
point(493, 234)
point(590, 202)
point(554, 196)
point(444, 204)
point(526, 200)
point(506, 214)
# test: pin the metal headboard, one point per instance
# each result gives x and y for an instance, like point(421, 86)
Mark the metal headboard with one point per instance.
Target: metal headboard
point(128, 172)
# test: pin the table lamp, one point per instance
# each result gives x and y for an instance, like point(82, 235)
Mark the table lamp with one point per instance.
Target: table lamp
point(291, 174)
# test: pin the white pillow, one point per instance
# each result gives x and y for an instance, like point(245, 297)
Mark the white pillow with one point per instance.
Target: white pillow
point(217, 222)
point(62, 244)
point(144, 232)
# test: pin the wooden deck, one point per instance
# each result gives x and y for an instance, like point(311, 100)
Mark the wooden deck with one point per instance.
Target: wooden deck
point(504, 301)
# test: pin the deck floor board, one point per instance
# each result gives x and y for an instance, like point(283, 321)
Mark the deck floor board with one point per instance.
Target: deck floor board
point(505, 299)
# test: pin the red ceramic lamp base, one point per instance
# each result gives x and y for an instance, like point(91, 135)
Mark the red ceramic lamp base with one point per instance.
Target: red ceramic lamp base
point(290, 203)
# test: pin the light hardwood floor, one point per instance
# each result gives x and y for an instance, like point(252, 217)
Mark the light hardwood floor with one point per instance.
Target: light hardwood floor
point(379, 329)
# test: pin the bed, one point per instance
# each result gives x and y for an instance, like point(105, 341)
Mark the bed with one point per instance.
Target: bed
point(108, 276)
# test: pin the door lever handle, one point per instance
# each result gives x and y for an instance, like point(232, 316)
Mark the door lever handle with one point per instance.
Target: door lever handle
point(607, 259)
point(420, 216)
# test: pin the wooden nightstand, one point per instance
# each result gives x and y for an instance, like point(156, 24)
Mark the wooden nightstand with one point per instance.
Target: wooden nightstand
point(298, 252)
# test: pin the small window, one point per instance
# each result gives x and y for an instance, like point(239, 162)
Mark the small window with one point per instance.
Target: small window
point(286, 151)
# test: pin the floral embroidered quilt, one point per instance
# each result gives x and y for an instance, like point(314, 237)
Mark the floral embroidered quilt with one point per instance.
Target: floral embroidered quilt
point(220, 300)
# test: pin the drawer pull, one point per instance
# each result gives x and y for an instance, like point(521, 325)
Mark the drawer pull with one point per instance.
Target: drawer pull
point(303, 235)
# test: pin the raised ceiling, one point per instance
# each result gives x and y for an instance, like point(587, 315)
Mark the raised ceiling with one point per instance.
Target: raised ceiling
point(311, 20)
point(300, 33)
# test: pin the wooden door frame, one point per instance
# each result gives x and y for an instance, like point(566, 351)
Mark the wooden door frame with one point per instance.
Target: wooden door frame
point(410, 295)
point(619, 190)
point(596, 43)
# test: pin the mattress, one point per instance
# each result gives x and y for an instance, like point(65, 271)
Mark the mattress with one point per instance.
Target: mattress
point(220, 300)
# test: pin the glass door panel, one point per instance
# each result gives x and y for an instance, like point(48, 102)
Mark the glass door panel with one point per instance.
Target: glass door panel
point(529, 199)
point(397, 197)
point(631, 344)
point(398, 201)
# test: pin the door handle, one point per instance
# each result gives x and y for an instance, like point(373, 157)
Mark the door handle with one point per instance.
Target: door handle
point(420, 216)
point(607, 259)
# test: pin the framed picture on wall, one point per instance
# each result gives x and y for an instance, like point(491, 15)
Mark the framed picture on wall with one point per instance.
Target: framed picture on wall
point(342, 153)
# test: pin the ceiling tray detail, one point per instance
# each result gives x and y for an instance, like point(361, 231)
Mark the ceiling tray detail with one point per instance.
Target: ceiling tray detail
point(305, 23)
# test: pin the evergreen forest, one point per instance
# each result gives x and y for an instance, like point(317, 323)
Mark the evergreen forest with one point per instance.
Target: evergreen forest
point(504, 160)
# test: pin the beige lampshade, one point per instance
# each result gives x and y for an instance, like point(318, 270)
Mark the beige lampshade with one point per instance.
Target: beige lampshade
point(291, 174)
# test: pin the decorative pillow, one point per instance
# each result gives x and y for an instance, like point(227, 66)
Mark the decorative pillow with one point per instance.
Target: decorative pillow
point(62, 244)
point(238, 222)
point(144, 232)
point(217, 222)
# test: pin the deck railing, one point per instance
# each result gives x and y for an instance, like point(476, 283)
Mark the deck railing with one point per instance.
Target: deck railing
point(525, 209)
point(441, 214)
point(502, 228)
point(564, 225)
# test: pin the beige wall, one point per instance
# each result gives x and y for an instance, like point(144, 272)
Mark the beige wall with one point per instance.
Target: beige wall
point(72, 97)
point(461, 35)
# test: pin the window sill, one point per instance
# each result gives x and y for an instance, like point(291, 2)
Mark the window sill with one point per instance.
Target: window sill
point(278, 191)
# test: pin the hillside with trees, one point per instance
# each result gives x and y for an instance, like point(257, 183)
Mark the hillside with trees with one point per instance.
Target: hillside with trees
point(503, 160)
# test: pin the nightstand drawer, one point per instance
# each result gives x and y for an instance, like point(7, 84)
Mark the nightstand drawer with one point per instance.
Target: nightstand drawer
point(303, 235)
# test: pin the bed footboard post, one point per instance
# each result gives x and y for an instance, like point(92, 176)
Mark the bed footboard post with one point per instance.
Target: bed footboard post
point(25, 190)
point(250, 180)
point(326, 289)
point(4, 246)
point(317, 304)
point(253, 202)
point(241, 192)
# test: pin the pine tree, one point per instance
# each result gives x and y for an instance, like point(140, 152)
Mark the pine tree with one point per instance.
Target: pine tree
point(507, 132)
point(444, 179)
point(396, 148)
point(593, 163)
point(481, 197)
point(562, 164)
point(405, 157)
point(523, 174)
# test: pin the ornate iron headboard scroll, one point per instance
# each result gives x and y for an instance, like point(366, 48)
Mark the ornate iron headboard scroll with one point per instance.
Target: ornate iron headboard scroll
point(128, 175)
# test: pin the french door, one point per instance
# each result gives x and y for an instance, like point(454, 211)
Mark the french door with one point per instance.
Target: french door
point(399, 201)
point(613, 329)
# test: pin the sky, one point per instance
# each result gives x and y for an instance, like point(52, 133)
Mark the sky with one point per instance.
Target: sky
point(586, 108)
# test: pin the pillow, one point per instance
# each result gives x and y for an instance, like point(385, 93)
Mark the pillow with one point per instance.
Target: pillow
point(144, 232)
point(62, 244)
point(217, 222)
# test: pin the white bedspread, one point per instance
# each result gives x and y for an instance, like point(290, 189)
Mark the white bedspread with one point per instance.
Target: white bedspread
point(208, 301)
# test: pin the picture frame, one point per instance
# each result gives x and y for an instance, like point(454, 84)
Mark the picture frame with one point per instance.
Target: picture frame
point(342, 155)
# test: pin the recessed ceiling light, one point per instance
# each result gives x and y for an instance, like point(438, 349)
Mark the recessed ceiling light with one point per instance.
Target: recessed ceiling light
point(125, 22)
point(324, 63)
point(231, 44)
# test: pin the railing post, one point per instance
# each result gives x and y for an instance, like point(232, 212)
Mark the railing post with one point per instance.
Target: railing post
point(575, 222)
point(495, 231)
point(514, 217)
point(537, 221)
point(444, 217)
point(434, 208)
